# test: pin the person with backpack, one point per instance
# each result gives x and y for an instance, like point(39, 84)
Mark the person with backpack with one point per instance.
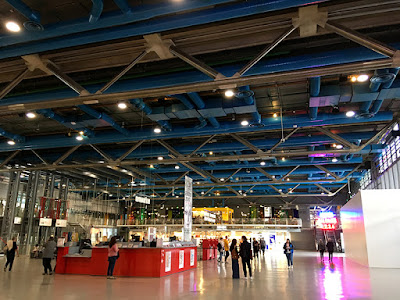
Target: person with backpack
point(288, 251)
point(235, 259)
point(113, 254)
point(245, 254)
point(10, 249)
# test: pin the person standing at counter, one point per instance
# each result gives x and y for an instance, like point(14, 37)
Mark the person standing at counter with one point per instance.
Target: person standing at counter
point(48, 255)
point(112, 257)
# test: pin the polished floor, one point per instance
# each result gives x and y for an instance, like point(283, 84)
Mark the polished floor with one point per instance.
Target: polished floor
point(272, 280)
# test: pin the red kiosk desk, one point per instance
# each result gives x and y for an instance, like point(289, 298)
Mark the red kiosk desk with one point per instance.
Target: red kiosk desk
point(141, 262)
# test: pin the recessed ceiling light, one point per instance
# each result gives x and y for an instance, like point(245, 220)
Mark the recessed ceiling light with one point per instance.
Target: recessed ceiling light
point(275, 115)
point(177, 167)
point(229, 93)
point(334, 160)
point(81, 132)
point(79, 138)
point(157, 130)
point(122, 105)
point(160, 158)
point(362, 78)
point(283, 159)
point(244, 123)
point(353, 78)
point(211, 153)
point(13, 26)
point(30, 115)
point(222, 179)
point(339, 146)
point(11, 142)
point(350, 114)
point(262, 163)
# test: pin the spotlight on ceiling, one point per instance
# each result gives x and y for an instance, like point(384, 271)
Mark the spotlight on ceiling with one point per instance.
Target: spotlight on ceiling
point(160, 158)
point(244, 123)
point(362, 78)
point(211, 153)
point(79, 138)
point(283, 159)
point(350, 114)
point(262, 163)
point(229, 93)
point(122, 105)
point(275, 115)
point(13, 26)
point(177, 167)
point(334, 160)
point(222, 179)
point(157, 130)
point(30, 115)
point(338, 146)
point(11, 142)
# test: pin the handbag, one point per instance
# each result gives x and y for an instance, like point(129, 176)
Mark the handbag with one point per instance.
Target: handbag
point(235, 254)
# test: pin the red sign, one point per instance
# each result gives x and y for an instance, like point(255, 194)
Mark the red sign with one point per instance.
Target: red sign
point(326, 223)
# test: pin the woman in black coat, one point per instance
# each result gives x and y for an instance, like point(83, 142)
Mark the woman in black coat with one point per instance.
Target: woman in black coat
point(235, 259)
point(331, 247)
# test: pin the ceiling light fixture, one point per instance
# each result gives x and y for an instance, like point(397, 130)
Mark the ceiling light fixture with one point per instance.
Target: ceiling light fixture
point(157, 130)
point(362, 78)
point(211, 153)
point(229, 93)
point(79, 138)
point(11, 142)
point(275, 115)
point(262, 163)
point(222, 179)
point(350, 114)
point(122, 105)
point(151, 167)
point(339, 146)
point(13, 26)
point(244, 123)
point(334, 160)
point(177, 167)
point(30, 115)
point(160, 158)
point(283, 159)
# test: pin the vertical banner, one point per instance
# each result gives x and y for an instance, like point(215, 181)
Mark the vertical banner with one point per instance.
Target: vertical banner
point(181, 259)
point(167, 261)
point(187, 225)
point(191, 257)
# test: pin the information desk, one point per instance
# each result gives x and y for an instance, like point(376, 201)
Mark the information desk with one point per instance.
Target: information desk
point(141, 262)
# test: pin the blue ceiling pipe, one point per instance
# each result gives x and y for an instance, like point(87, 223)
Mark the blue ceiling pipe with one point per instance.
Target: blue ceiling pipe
point(95, 12)
point(185, 101)
point(181, 131)
point(200, 104)
point(247, 95)
point(25, 10)
point(48, 113)
point(385, 86)
point(173, 20)
point(315, 88)
point(11, 136)
point(123, 6)
point(103, 116)
point(139, 103)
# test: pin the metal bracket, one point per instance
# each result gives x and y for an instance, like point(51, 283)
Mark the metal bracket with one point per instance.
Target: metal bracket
point(308, 20)
point(156, 44)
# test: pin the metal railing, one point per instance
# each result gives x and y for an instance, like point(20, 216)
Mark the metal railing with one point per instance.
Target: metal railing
point(270, 222)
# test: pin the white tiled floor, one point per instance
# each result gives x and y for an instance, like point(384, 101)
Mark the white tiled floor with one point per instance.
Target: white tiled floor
point(272, 280)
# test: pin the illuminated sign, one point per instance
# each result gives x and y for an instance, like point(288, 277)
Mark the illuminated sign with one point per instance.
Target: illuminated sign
point(327, 221)
point(143, 200)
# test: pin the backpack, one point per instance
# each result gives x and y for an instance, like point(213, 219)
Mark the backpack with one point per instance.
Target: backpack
point(219, 247)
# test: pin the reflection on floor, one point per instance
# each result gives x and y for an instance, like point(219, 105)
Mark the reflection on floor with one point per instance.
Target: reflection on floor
point(272, 279)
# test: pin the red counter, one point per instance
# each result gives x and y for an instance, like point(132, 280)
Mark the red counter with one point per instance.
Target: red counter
point(141, 262)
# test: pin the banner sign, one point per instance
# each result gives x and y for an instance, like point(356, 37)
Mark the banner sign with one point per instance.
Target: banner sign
point(143, 200)
point(45, 222)
point(188, 215)
point(61, 223)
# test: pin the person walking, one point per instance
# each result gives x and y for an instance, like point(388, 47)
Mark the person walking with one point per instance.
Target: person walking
point(226, 248)
point(288, 250)
point(221, 248)
point(235, 259)
point(256, 247)
point(330, 246)
point(263, 246)
point(321, 249)
point(245, 254)
point(113, 254)
point(48, 254)
point(11, 248)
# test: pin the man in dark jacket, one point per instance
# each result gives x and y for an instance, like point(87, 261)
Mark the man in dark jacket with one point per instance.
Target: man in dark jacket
point(245, 254)
point(331, 247)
